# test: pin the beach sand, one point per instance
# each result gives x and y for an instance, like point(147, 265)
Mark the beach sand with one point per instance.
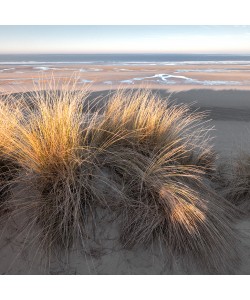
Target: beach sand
point(21, 78)
point(229, 112)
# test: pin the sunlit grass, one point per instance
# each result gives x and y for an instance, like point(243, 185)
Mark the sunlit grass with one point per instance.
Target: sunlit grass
point(147, 160)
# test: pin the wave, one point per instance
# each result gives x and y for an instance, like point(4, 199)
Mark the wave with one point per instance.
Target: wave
point(179, 63)
point(43, 68)
point(210, 62)
point(202, 70)
point(129, 63)
point(46, 62)
point(2, 70)
point(46, 68)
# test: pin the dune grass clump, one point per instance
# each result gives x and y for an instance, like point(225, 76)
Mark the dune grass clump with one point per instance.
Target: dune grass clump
point(8, 168)
point(146, 160)
point(45, 143)
point(164, 166)
point(237, 185)
point(7, 175)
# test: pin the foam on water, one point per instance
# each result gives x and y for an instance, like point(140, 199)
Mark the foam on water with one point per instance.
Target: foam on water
point(220, 82)
point(129, 81)
point(211, 62)
point(45, 68)
point(124, 59)
point(34, 63)
point(86, 80)
point(202, 70)
point(41, 68)
point(95, 70)
point(7, 69)
point(128, 70)
point(168, 79)
point(164, 77)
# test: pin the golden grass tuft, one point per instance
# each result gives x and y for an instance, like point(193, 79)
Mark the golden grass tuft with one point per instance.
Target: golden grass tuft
point(147, 160)
point(44, 141)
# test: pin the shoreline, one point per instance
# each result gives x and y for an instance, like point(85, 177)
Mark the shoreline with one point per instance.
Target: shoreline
point(104, 77)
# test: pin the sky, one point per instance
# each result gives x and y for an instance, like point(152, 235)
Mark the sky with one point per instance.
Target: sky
point(125, 39)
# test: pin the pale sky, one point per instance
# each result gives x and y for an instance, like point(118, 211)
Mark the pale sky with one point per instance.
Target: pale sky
point(125, 39)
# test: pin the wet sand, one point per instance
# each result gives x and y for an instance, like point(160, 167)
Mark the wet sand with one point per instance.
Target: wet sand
point(103, 77)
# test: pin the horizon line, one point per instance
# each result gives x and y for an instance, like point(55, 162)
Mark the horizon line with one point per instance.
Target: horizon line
point(124, 53)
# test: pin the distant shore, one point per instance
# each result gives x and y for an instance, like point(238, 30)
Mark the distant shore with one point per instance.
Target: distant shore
point(104, 77)
point(221, 89)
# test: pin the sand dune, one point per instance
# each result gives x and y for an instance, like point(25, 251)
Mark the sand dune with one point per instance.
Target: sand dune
point(229, 111)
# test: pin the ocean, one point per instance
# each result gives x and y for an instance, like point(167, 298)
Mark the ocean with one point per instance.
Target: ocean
point(122, 59)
